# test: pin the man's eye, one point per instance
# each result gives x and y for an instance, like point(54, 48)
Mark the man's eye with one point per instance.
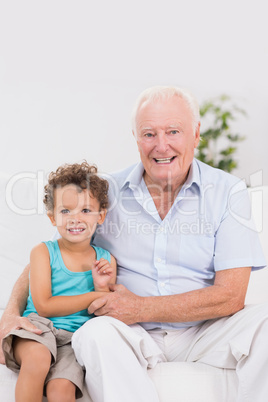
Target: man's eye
point(148, 135)
point(64, 211)
point(174, 132)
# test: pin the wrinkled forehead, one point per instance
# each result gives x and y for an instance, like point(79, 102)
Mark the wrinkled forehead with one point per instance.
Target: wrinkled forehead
point(171, 110)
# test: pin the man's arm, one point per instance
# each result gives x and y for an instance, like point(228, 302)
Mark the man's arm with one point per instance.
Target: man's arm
point(11, 317)
point(225, 297)
point(19, 294)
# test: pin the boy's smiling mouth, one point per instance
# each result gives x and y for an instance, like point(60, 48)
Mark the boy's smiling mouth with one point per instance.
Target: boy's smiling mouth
point(75, 230)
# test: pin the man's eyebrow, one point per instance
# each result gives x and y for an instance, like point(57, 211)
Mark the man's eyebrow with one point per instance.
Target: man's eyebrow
point(146, 128)
point(173, 126)
point(150, 128)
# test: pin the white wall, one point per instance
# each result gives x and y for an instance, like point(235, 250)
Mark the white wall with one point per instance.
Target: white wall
point(71, 70)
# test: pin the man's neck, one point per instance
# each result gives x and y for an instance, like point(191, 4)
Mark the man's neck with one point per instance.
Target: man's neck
point(163, 193)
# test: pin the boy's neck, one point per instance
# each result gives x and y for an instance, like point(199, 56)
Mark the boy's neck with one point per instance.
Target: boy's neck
point(81, 247)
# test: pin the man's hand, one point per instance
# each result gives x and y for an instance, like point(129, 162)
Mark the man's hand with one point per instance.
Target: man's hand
point(120, 303)
point(9, 322)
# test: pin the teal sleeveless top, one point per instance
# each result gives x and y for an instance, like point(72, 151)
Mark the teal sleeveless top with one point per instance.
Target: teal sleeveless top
point(67, 283)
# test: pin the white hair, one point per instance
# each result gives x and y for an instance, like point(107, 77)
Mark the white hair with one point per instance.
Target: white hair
point(157, 93)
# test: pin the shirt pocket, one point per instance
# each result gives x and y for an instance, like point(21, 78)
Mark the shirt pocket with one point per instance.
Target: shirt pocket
point(196, 254)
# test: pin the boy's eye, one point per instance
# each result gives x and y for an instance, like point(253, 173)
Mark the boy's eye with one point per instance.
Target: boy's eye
point(86, 210)
point(64, 211)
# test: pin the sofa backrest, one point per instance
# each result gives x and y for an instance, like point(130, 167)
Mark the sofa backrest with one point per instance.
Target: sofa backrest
point(23, 224)
point(22, 227)
point(258, 284)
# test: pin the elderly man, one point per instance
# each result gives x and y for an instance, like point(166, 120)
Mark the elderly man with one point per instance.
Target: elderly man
point(185, 247)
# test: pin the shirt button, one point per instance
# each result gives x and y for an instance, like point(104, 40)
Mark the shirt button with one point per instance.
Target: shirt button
point(162, 284)
point(158, 259)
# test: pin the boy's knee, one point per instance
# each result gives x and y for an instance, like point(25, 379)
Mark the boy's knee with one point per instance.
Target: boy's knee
point(60, 390)
point(33, 356)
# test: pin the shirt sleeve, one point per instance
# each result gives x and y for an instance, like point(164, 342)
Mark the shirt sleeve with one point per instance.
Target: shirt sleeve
point(236, 240)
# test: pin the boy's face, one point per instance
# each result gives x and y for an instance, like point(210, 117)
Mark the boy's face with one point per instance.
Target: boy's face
point(76, 214)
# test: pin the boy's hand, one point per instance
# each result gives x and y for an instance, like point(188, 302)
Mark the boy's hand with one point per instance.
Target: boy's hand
point(102, 273)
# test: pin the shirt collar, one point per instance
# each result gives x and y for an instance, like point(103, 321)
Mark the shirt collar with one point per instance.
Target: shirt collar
point(194, 177)
point(135, 176)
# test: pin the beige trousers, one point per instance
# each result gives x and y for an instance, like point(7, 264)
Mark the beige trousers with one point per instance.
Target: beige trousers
point(116, 356)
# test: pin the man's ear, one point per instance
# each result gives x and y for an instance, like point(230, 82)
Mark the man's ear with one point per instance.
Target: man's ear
point(51, 217)
point(102, 216)
point(197, 135)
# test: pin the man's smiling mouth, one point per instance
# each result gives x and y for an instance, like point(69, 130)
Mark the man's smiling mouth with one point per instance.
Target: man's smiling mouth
point(164, 160)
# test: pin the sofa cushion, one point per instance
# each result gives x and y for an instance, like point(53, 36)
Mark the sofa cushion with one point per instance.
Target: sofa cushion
point(192, 382)
point(187, 382)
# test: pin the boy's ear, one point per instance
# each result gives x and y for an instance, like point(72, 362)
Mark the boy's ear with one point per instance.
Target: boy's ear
point(51, 217)
point(103, 213)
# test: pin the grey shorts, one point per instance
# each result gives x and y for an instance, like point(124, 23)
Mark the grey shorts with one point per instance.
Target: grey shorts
point(58, 341)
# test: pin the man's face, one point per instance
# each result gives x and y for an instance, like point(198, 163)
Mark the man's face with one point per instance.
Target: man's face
point(166, 140)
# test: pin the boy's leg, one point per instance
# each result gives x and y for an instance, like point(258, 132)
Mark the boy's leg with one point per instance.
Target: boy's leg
point(65, 379)
point(60, 390)
point(34, 359)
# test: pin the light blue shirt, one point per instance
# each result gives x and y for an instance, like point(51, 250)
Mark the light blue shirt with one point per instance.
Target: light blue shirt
point(208, 229)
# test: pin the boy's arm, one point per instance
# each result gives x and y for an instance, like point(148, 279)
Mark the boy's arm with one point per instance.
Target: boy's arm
point(11, 317)
point(104, 274)
point(40, 283)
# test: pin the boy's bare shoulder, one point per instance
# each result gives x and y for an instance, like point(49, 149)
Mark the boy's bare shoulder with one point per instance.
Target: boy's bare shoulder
point(39, 249)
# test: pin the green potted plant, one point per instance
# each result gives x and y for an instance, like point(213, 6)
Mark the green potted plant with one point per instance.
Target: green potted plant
point(218, 141)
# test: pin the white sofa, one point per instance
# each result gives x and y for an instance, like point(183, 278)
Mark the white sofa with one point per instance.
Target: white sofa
point(22, 225)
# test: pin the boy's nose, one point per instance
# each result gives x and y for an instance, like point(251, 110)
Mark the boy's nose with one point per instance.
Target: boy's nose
point(74, 219)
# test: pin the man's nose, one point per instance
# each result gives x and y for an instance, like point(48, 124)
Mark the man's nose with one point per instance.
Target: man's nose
point(161, 142)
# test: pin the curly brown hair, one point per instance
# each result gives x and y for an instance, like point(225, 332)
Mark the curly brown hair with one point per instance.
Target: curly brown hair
point(84, 176)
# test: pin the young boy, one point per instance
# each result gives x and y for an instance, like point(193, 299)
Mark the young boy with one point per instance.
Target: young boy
point(65, 277)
